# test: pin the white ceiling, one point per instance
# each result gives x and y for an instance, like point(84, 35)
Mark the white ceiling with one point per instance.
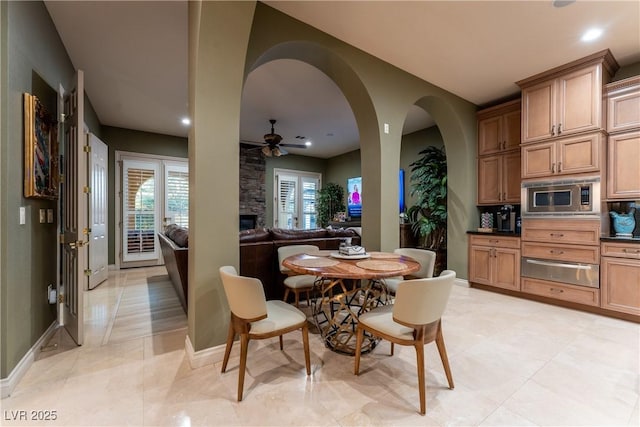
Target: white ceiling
point(134, 55)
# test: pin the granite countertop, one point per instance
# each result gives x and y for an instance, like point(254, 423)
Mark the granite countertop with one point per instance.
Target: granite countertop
point(620, 239)
point(494, 233)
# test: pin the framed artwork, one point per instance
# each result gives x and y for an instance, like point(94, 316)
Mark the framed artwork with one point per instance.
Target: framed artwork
point(41, 173)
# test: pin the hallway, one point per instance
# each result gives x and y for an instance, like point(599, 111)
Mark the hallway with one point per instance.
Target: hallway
point(514, 362)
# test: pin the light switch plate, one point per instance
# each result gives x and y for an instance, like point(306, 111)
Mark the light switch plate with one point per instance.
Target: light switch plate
point(23, 215)
point(50, 216)
point(43, 216)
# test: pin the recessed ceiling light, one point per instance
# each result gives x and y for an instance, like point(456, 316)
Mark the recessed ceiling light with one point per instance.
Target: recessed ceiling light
point(308, 143)
point(591, 35)
point(186, 121)
point(562, 3)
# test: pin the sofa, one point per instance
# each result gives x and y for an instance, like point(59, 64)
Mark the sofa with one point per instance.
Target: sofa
point(258, 253)
point(174, 243)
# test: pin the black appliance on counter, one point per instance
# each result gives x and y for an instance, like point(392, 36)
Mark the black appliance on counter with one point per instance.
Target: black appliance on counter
point(507, 219)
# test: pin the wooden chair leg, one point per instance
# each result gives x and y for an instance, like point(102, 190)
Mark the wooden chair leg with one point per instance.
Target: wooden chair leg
point(443, 356)
point(421, 381)
point(297, 300)
point(359, 339)
point(305, 345)
point(286, 294)
point(227, 351)
point(392, 348)
point(244, 344)
point(281, 343)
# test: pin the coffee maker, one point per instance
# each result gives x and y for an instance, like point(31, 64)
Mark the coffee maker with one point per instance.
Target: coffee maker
point(507, 219)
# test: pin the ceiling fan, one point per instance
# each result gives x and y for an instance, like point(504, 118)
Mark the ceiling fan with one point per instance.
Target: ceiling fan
point(272, 146)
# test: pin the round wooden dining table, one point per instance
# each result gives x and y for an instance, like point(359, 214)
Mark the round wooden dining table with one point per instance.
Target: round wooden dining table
point(347, 287)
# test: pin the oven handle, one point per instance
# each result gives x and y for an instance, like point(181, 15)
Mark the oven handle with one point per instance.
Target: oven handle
point(556, 264)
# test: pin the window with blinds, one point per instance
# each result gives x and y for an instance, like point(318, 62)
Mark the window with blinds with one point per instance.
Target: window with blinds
point(177, 195)
point(295, 196)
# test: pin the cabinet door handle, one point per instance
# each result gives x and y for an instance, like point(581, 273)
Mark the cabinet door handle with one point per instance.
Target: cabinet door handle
point(553, 168)
point(553, 130)
point(559, 128)
point(504, 196)
point(559, 167)
point(556, 234)
point(631, 251)
point(553, 251)
point(556, 290)
point(493, 241)
point(504, 145)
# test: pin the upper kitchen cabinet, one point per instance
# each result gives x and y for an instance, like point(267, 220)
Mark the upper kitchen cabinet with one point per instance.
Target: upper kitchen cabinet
point(565, 156)
point(623, 105)
point(623, 148)
point(566, 100)
point(499, 128)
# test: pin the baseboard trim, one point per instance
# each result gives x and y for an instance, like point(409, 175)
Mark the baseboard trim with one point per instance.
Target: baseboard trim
point(462, 282)
point(208, 356)
point(7, 385)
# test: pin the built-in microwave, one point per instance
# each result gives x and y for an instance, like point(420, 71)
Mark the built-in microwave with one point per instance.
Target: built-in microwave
point(561, 197)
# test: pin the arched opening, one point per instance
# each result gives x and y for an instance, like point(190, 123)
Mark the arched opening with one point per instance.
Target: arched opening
point(314, 124)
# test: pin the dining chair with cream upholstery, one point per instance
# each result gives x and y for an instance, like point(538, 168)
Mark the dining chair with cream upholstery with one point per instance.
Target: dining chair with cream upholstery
point(296, 283)
point(426, 259)
point(253, 317)
point(414, 319)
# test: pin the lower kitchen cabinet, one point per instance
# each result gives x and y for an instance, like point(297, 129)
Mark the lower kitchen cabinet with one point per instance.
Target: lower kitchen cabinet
point(495, 261)
point(620, 277)
point(571, 293)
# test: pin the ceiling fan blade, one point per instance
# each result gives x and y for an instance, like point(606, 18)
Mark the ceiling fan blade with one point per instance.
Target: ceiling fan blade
point(246, 141)
point(283, 152)
point(293, 145)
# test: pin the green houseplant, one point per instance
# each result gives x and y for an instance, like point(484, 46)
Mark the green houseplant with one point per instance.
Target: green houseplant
point(428, 217)
point(330, 200)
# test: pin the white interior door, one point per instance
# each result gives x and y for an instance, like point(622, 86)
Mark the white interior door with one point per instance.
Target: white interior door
point(99, 247)
point(74, 211)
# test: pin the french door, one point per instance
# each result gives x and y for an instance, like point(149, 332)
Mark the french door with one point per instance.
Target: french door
point(295, 199)
point(155, 193)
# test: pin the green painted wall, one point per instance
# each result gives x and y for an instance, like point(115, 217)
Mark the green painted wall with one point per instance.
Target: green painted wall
point(628, 71)
point(292, 162)
point(118, 139)
point(342, 167)
point(412, 144)
point(30, 44)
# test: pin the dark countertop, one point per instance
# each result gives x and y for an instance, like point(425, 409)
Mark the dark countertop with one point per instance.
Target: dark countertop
point(615, 239)
point(494, 233)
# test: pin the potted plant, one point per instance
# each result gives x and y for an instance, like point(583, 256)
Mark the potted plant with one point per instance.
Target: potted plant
point(428, 217)
point(330, 200)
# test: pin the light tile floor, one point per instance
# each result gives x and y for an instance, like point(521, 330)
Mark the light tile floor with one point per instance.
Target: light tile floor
point(514, 362)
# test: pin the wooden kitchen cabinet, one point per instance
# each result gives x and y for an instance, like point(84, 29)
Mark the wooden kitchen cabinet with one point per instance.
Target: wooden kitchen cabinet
point(499, 154)
point(623, 105)
point(565, 156)
point(623, 170)
point(566, 100)
point(566, 292)
point(499, 179)
point(495, 261)
point(620, 277)
point(499, 128)
point(562, 231)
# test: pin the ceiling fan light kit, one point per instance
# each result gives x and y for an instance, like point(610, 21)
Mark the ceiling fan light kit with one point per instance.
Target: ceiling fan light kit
point(272, 146)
